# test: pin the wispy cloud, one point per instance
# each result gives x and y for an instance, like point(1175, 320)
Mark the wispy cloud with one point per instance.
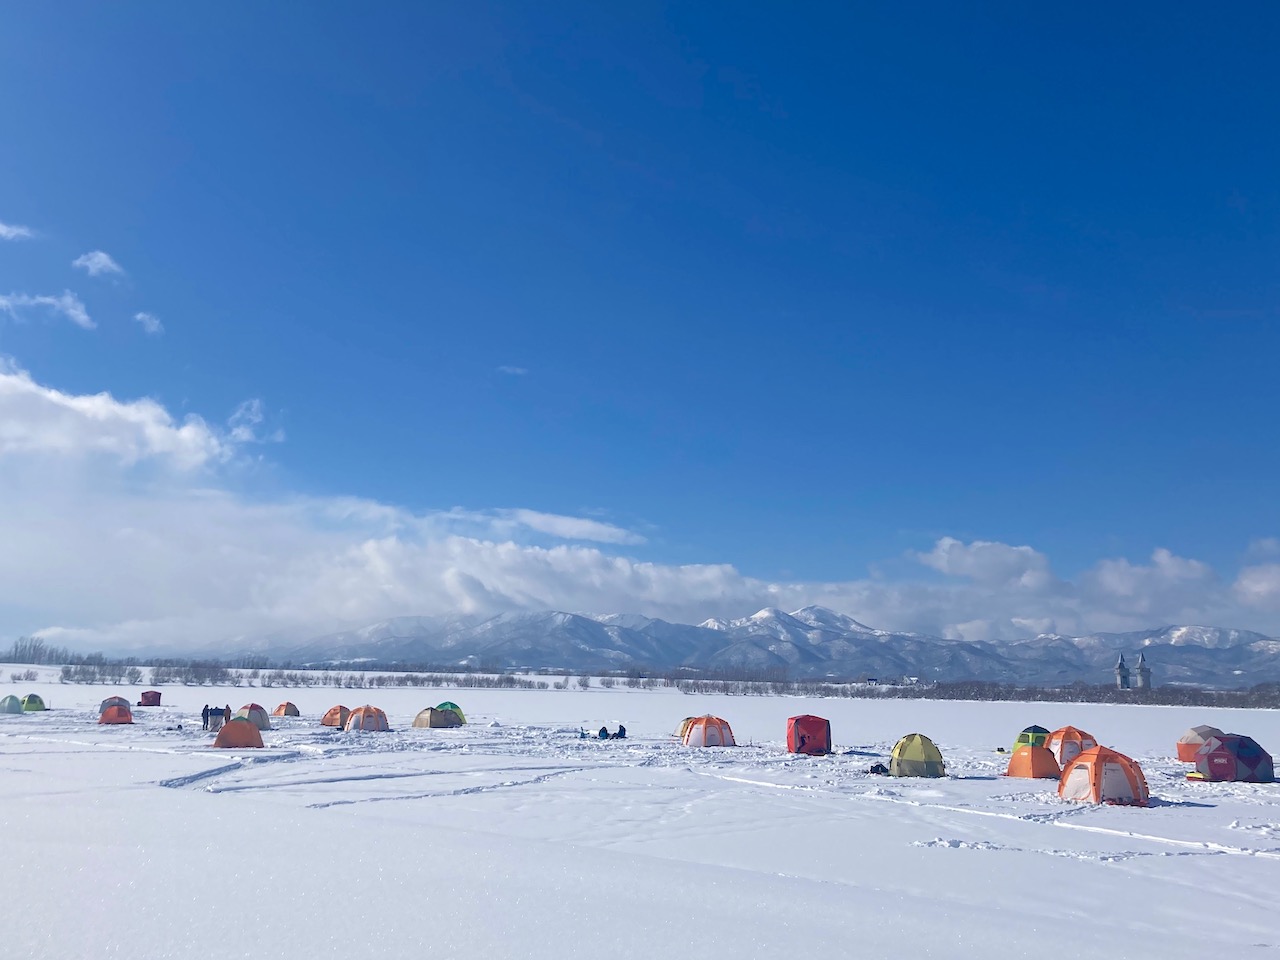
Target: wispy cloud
point(244, 425)
point(513, 371)
point(66, 304)
point(97, 264)
point(11, 231)
point(150, 323)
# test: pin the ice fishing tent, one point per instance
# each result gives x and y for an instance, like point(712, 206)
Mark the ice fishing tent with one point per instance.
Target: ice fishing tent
point(255, 714)
point(116, 713)
point(1100, 775)
point(916, 756)
point(216, 719)
point(433, 717)
point(367, 718)
point(684, 726)
point(1191, 741)
point(32, 703)
point(10, 704)
point(809, 734)
point(238, 732)
point(1035, 763)
point(113, 702)
point(286, 709)
point(150, 698)
point(1233, 756)
point(1033, 736)
point(336, 716)
point(450, 705)
point(708, 731)
point(1067, 743)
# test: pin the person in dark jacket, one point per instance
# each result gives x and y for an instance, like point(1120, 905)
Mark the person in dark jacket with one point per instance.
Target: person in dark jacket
point(621, 734)
point(604, 733)
point(226, 714)
point(204, 717)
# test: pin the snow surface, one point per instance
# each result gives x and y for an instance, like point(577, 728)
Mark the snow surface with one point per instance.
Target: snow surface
point(512, 837)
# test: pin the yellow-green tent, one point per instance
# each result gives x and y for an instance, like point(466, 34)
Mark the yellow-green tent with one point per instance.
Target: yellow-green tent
point(1033, 736)
point(450, 705)
point(32, 702)
point(916, 756)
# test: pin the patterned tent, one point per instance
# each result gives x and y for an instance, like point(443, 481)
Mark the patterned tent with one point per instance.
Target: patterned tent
point(1233, 756)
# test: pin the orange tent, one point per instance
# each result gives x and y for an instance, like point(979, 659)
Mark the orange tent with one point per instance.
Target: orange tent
point(1067, 743)
point(1035, 763)
point(116, 714)
point(286, 709)
point(708, 731)
point(1191, 741)
point(238, 732)
point(1100, 775)
point(367, 718)
point(336, 717)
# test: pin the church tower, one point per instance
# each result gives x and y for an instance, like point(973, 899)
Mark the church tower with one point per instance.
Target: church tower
point(1122, 674)
point(1144, 672)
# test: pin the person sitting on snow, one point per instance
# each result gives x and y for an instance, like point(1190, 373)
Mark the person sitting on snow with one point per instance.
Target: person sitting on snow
point(621, 734)
point(604, 733)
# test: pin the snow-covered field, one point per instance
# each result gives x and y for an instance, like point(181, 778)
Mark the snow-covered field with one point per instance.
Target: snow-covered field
point(512, 837)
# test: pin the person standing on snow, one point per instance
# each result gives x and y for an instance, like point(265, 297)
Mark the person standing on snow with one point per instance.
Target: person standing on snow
point(204, 717)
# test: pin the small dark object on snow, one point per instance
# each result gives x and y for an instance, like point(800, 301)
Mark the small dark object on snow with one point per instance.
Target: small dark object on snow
point(879, 769)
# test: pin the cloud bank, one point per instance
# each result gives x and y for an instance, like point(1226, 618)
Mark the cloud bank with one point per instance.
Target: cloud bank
point(127, 526)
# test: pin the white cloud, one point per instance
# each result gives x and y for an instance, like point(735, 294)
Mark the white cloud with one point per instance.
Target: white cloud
point(150, 323)
point(38, 420)
point(989, 563)
point(67, 304)
point(122, 526)
point(11, 231)
point(246, 422)
point(97, 264)
point(513, 371)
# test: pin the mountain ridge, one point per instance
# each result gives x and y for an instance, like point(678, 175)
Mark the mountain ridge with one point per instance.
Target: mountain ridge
point(812, 642)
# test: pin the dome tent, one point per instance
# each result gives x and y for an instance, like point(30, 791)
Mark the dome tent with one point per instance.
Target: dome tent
point(708, 731)
point(286, 709)
point(238, 732)
point(335, 716)
point(32, 703)
point(1033, 736)
point(433, 717)
point(113, 702)
point(1100, 775)
point(1035, 763)
point(809, 734)
point(10, 704)
point(450, 705)
point(1067, 743)
point(1233, 757)
point(255, 714)
point(683, 727)
point(367, 718)
point(1191, 741)
point(116, 713)
point(915, 755)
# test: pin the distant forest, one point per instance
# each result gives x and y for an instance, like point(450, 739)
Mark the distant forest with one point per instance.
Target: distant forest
point(259, 671)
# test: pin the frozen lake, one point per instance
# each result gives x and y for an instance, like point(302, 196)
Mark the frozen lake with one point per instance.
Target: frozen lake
point(512, 837)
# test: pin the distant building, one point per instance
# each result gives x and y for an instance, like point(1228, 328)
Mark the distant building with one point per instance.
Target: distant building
point(1144, 673)
point(1122, 674)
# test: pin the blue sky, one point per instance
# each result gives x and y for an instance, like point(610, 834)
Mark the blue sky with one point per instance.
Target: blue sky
point(800, 291)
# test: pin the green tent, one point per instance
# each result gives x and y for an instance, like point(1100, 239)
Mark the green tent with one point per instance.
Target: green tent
point(32, 702)
point(1031, 737)
point(450, 705)
point(916, 756)
point(10, 704)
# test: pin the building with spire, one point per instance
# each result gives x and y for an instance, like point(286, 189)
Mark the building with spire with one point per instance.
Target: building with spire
point(1122, 674)
point(1144, 673)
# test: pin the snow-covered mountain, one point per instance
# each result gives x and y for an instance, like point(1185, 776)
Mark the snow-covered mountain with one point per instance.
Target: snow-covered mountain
point(810, 642)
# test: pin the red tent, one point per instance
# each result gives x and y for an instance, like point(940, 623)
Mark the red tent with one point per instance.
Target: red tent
point(150, 698)
point(807, 734)
point(1233, 756)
